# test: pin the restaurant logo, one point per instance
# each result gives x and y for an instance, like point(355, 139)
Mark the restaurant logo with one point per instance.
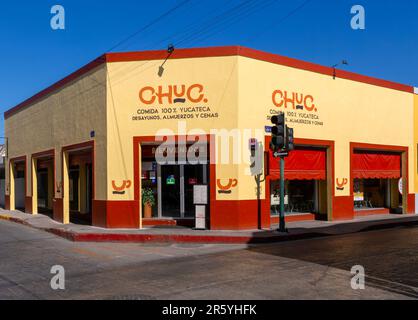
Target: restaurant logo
point(172, 94)
point(226, 189)
point(126, 184)
point(295, 101)
point(173, 102)
point(299, 108)
point(341, 185)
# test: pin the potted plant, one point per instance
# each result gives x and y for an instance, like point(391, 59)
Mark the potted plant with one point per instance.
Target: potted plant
point(148, 200)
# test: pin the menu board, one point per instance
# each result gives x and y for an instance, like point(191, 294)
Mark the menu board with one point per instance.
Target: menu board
point(358, 196)
point(200, 221)
point(200, 194)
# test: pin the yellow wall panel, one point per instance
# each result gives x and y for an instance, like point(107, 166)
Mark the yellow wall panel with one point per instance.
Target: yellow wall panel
point(64, 117)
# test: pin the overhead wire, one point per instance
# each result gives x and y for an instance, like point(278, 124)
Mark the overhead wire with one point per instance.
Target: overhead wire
point(283, 19)
point(150, 24)
point(239, 11)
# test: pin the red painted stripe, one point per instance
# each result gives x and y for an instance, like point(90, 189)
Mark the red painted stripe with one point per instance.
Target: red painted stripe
point(294, 218)
point(371, 212)
point(313, 67)
point(177, 54)
point(73, 76)
point(212, 52)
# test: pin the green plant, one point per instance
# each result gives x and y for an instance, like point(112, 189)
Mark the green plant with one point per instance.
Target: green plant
point(148, 197)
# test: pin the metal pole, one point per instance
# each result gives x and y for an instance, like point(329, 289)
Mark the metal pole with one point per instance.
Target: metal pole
point(282, 226)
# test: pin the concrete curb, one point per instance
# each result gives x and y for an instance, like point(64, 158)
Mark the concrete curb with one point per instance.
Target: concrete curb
point(214, 239)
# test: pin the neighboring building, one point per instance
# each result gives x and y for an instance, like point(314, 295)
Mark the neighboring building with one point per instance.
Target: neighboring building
point(86, 146)
point(2, 175)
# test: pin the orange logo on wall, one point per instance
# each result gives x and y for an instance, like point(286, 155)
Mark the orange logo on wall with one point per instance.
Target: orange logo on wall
point(341, 185)
point(172, 94)
point(293, 100)
point(226, 189)
point(121, 189)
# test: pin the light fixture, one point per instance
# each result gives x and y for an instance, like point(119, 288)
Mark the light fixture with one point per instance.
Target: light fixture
point(343, 62)
point(170, 50)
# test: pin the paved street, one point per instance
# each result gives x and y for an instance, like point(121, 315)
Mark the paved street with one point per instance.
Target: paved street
point(304, 269)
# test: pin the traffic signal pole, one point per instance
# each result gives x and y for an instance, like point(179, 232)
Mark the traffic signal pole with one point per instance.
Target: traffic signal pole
point(282, 222)
point(282, 142)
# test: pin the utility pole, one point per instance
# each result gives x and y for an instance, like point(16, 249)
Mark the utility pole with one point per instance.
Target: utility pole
point(282, 142)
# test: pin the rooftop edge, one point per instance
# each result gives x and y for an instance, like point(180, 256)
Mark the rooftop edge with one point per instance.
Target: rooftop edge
point(210, 52)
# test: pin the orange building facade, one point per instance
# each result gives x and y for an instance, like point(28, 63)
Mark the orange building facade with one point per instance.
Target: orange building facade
point(126, 128)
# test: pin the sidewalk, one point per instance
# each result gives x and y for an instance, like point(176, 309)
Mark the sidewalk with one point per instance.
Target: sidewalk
point(297, 230)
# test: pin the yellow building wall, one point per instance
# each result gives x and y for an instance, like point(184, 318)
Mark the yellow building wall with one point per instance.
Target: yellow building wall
point(239, 90)
point(218, 76)
point(64, 117)
point(347, 111)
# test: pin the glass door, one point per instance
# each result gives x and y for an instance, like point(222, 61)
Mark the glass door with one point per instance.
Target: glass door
point(170, 191)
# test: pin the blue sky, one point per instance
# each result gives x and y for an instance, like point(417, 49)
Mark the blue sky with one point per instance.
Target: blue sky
point(34, 56)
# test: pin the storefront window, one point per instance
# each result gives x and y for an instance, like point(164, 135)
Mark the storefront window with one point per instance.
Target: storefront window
point(301, 196)
point(376, 193)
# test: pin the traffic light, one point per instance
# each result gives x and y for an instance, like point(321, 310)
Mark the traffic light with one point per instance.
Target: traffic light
point(278, 132)
point(289, 139)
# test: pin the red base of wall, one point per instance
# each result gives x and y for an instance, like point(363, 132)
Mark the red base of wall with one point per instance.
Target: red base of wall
point(7, 202)
point(28, 205)
point(294, 218)
point(343, 208)
point(225, 215)
point(411, 203)
point(371, 212)
point(238, 215)
point(168, 222)
point(58, 213)
point(116, 214)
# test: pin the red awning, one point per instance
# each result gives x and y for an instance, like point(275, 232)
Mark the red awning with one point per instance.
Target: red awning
point(302, 164)
point(376, 165)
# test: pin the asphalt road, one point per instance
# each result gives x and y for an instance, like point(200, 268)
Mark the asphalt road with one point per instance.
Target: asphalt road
point(305, 269)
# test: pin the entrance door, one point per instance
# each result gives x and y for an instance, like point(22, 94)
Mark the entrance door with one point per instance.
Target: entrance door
point(175, 189)
point(170, 191)
point(73, 180)
point(89, 187)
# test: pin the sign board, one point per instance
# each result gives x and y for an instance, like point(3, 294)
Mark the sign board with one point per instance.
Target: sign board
point(267, 129)
point(200, 194)
point(200, 220)
point(359, 196)
point(275, 200)
point(171, 180)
